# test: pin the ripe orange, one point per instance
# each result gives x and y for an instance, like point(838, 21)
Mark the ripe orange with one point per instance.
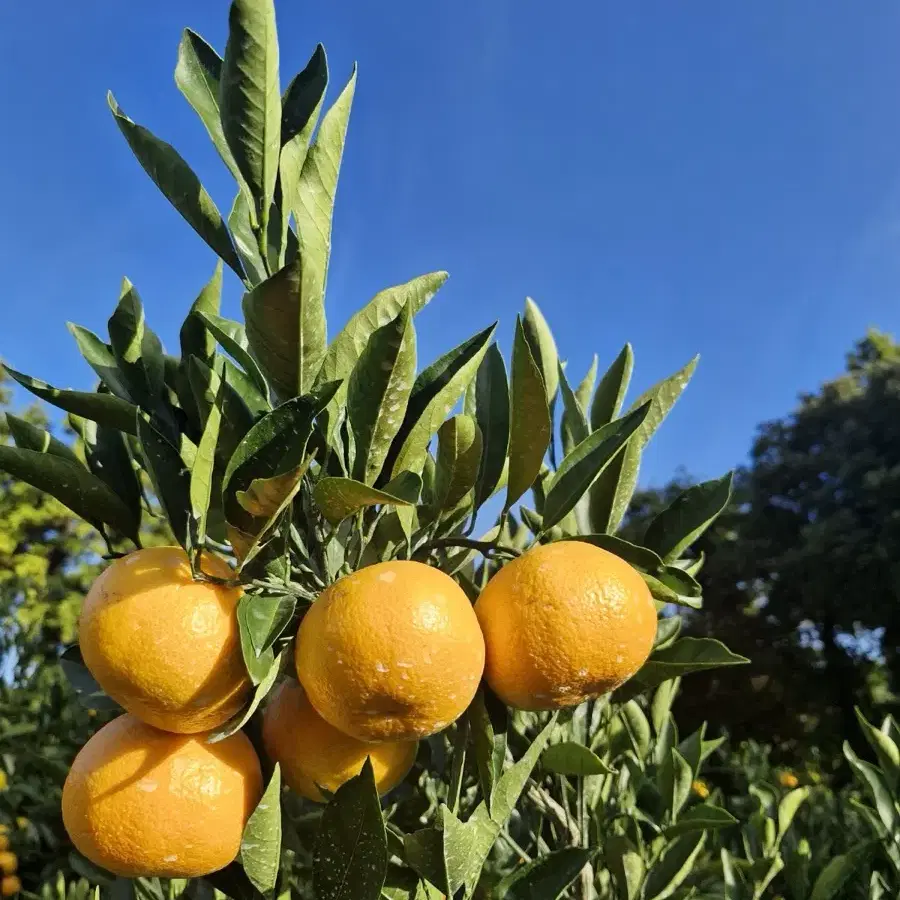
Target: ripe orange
point(143, 802)
point(392, 652)
point(563, 623)
point(313, 753)
point(8, 863)
point(10, 885)
point(164, 646)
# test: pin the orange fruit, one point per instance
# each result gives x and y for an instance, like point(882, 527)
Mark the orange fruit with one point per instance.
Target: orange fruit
point(10, 885)
point(8, 863)
point(143, 802)
point(4, 842)
point(313, 753)
point(392, 652)
point(563, 623)
point(164, 646)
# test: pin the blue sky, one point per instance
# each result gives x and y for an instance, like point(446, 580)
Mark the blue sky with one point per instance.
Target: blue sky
point(721, 178)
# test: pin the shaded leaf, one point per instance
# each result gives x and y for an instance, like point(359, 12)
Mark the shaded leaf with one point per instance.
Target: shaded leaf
point(339, 498)
point(574, 424)
point(89, 693)
point(571, 758)
point(238, 721)
point(676, 864)
point(31, 437)
point(639, 557)
point(180, 186)
point(194, 338)
point(701, 817)
point(201, 479)
point(488, 725)
point(545, 878)
point(266, 618)
point(100, 358)
point(458, 459)
point(543, 348)
point(233, 339)
point(492, 416)
point(246, 243)
point(838, 871)
point(170, 477)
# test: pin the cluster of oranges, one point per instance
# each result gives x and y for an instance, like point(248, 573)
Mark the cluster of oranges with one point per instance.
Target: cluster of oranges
point(9, 865)
point(388, 655)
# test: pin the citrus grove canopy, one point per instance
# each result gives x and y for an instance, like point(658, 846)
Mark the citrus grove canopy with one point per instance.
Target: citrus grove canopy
point(329, 597)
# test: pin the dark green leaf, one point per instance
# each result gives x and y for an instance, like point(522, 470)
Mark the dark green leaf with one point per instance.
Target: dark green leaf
point(194, 338)
point(878, 788)
point(611, 391)
point(303, 97)
point(236, 420)
point(512, 782)
point(574, 424)
point(89, 693)
point(197, 74)
point(886, 750)
point(266, 618)
point(30, 437)
point(286, 330)
point(261, 840)
point(612, 493)
point(258, 665)
point(201, 479)
point(492, 416)
point(459, 455)
point(250, 99)
point(170, 476)
point(488, 725)
point(350, 858)
point(101, 408)
point(435, 392)
point(180, 186)
point(313, 201)
point(237, 722)
point(530, 426)
point(73, 485)
point(839, 870)
point(581, 467)
point(692, 512)
point(246, 242)
point(339, 497)
point(545, 878)
point(676, 864)
point(667, 587)
point(639, 557)
point(571, 758)
point(543, 347)
point(99, 357)
point(378, 393)
point(233, 339)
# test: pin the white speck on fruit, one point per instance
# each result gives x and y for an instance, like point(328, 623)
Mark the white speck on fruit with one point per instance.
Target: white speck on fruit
point(172, 858)
point(380, 667)
point(387, 576)
point(147, 786)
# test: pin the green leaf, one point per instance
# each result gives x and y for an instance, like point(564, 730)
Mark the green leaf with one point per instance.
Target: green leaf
point(638, 728)
point(250, 100)
point(170, 477)
point(73, 485)
point(101, 408)
point(265, 497)
point(237, 722)
point(542, 347)
point(350, 857)
point(701, 817)
point(675, 866)
point(787, 809)
point(488, 726)
point(261, 840)
point(574, 423)
point(201, 480)
point(233, 339)
point(626, 865)
point(30, 437)
point(530, 425)
point(681, 658)
point(180, 186)
point(258, 665)
point(885, 749)
point(435, 392)
point(639, 557)
point(674, 779)
point(313, 202)
point(339, 497)
point(286, 330)
point(673, 585)
point(571, 758)
point(667, 629)
point(611, 391)
point(100, 358)
point(266, 618)
point(545, 878)
point(378, 393)
point(346, 348)
point(838, 871)
point(89, 693)
point(236, 420)
point(492, 417)
point(458, 459)
point(194, 338)
point(246, 243)
point(512, 782)
point(583, 465)
point(197, 74)
point(877, 786)
point(691, 513)
point(303, 98)
point(586, 387)
point(612, 493)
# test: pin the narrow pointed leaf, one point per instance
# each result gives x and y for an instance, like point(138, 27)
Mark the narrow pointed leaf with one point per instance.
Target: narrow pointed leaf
point(512, 782)
point(266, 619)
point(690, 514)
point(315, 195)
point(488, 726)
point(543, 347)
point(194, 337)
point(675, 866)
point(581, 467)
point(639, 557)
point(886, 750)
point(458, 458)
point(31, 437)
point(435, 392)
point(198, 74)
point(787, 809)
point(612, 492)
point(258, 665)
point(530, 426)
point(100, 358)
point(250, 99)
point(72, 484)
point(236, 420)
point(574, 423)
point(492, 416)
point(261, 840)
point(105, 409)
point(170, 477)
point(571, 758)
point(586, 388)
point(237, 722)
point(339, 497)
point(233, 339)
point(201, 481)
point(545, 878)
point(838, 871)
point(378, 393)
point(180, 186)
point(286, 330)
point(350, 856)
point(610, 393)
point(246, 242)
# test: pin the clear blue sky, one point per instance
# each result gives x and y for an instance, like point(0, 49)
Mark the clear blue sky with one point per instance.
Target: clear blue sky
point(721, 178)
